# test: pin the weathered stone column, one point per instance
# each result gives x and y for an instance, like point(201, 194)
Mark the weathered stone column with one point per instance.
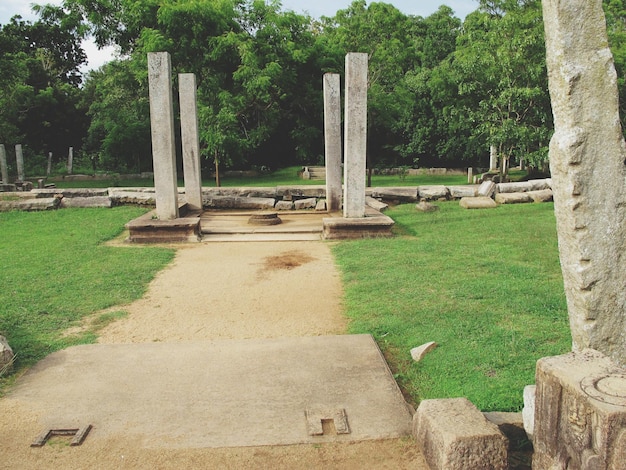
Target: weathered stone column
point(3, 165)
point(332, 140)
point(493, 158)
point(49, 169)
point(162, 130)
point(587, 155)
point(191, 145)
point(70, 160)
point(355, 135)
point(19, 157)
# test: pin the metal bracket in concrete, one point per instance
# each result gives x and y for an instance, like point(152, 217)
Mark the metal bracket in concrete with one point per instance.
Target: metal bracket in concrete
point(79, 435)
point(319, 419)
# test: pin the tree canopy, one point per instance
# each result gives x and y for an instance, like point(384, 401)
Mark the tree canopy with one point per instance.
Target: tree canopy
point(441, 90)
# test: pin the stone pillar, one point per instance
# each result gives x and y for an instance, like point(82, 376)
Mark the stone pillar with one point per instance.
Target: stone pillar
point(70, 160)
point(162, 130)
point(19, 157)
point(191, 145)
point(470, 175)
point(49, 169)
point(332, 140)
point(587, 155)
point(493, 158)
point(3, 165)
point(355, 135)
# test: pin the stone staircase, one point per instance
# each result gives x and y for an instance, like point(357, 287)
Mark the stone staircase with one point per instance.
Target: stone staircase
point(314, 173)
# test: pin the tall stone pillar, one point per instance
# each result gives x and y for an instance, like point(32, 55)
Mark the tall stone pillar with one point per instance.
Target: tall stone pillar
point(70, 160)
point(587, 155)
point(191, 145)
point(332, 140)
point(3, 165)
point(354, 165)
point(19, 157)
point(493, 158)
point(162, 130)
point(49, 169)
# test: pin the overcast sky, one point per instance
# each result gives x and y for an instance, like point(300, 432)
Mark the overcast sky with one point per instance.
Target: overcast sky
point(318, 8)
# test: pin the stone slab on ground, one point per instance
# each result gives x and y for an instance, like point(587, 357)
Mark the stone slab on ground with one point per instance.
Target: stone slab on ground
point(43, 204)
point(84, 202)
point(479, 202)
point(227, 393)
point(513, 198)
point(454, 435)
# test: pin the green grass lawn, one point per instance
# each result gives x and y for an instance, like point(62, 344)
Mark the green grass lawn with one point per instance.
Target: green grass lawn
point(485, 285)
point(54, 270)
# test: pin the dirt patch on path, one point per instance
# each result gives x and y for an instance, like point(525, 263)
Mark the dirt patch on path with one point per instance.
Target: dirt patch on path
point(219, 291)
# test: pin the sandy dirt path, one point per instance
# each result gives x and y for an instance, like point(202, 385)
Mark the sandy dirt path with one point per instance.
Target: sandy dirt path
point(218, 291)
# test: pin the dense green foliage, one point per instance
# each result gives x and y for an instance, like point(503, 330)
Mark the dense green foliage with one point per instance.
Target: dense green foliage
point(441, 90)
point(494, 304)
point(54, 270)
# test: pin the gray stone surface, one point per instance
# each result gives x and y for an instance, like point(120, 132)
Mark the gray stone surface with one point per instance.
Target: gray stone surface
point(512, 198)
point(301, 191)
point(486, 189)
point(376, 204)
point(308, 203)
point(587, 155)
point(241, 192)
point(355, 135)
point(332, 140)
point(162, 131)
point(419, 352)
point(580, 413)
point(132, 197)
point(4, 172)
point(321, 205)
point(528, 412)
point(400, 194)
point(493, 158)
point(227, 393)
point(478, 203)
point(6, 354)
point(34, 204)
point(454, 435)
point(430, 193)
point(70, 192)
point(515, 187)
point(70, 160)
point(190, 140)
point(510, 424)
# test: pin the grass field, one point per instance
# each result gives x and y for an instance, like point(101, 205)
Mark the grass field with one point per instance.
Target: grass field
point(484, 284)
point(54, 270)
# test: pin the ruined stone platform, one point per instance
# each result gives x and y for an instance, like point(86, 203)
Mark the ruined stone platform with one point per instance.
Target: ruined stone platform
point(228, 393)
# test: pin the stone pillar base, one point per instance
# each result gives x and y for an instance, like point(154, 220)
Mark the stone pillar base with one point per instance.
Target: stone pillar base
point(580, 413)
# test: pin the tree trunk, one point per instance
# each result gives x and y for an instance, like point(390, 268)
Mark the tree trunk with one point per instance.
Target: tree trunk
point(218, 183)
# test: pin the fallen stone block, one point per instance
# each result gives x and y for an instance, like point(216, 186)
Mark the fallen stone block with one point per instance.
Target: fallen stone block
point(454, 435)
point(302, 191)
point(516, 187)
point(132, 197)
point(85, 202)
point(424, 206)
point(542, 195)
point(375, 204)
point(263, 192)
point(340, 228)
point(486, 189)
point(6, 354)
point(226, 202)
point(302, 204)
point(433, 193)
point(321, 205)
point(419, 352)
point(528, 412)
point(284, 205)
point(70, 192)
point(30, 205)
point(458, 192)
point(400, 194)
point(477, 203)
point(513, 198)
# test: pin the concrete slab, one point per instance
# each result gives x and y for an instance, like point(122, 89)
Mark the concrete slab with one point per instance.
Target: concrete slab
point(218, 394)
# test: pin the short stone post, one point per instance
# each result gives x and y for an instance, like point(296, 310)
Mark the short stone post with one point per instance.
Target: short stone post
point(49, 169)
point(191, 145)
point(70, 160)
point(332, 140)
point(162, 130)
point(19, 157)
point(470, 175)
point(355, 135)
point(493, 158)
point(3, 165)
